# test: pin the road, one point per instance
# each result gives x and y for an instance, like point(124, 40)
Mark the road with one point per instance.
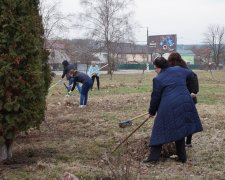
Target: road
point(116, 72)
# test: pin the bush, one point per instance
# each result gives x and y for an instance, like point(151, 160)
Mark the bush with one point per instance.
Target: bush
point(24, 72)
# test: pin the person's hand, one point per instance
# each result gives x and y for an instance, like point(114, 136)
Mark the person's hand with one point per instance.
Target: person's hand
point(193, 95)
point(69, 88)
point(150, 115)
point(69, 92)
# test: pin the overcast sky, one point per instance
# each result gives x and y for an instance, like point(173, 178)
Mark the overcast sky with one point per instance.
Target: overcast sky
point(189, 19)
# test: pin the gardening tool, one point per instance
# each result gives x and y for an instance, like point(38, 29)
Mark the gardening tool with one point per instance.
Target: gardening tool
point(55, 84)
point(103, 67)
point(128, 122)
point(130, 134)
point(66, 86)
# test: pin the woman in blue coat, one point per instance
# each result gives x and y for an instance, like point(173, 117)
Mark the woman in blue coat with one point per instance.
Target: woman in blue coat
point(175, 59)
point(87, 84)
point(177, 116)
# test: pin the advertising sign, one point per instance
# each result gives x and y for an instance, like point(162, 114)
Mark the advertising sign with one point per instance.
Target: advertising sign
point(189, 59)
point(162, 43)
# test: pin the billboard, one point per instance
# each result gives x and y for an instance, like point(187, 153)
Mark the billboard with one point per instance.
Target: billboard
point(189, 58)
point(162, 43)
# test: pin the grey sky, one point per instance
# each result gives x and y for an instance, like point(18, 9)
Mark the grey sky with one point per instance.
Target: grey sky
point(189, 19)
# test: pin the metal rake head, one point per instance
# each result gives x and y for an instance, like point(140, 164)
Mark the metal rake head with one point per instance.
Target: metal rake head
point(125, 124)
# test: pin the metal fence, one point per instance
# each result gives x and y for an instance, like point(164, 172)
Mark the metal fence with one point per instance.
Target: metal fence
point(146, 66)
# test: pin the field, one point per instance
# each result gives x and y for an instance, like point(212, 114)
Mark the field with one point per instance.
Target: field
point(79, 141)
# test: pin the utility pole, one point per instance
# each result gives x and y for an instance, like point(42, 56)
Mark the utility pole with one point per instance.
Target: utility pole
point(147, 46)
point(147, 63)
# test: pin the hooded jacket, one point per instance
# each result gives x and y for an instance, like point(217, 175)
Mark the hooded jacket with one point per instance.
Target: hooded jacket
point(66, 69)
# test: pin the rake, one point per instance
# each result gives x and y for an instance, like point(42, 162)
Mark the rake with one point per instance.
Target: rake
point(130, 134)
point(55, 84)
point(128, 122)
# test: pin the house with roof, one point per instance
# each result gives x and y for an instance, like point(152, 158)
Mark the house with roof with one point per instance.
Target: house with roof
point(131, 53)
point(57, 54)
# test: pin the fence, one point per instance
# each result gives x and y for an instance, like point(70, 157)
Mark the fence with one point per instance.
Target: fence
point(144, 66)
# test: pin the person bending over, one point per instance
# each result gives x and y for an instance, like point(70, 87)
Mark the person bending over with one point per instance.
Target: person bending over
point(87, 83)
point(67, 67)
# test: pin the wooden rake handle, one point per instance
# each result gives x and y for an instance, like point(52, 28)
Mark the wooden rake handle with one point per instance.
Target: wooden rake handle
point(130, 135)
point(55, 84)
point(103, 67)
point(139, 116)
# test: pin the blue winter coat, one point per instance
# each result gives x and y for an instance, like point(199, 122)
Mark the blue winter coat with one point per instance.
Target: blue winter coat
point(177, 116)
point(84, 79)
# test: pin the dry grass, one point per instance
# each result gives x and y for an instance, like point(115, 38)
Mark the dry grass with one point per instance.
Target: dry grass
point(76, 140)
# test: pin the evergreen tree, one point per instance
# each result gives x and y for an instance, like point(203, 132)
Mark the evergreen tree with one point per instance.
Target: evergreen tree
point(24, 72)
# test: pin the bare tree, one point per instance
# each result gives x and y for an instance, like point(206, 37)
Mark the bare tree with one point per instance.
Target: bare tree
point(107, 21)
point(203, 57)
point(80, 51)
point(55, 23)
point(215, 38)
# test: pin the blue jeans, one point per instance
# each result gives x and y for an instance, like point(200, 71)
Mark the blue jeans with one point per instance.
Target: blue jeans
point(84, 92)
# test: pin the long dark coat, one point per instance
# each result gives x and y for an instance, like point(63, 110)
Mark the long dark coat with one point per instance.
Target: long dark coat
point(177, 116)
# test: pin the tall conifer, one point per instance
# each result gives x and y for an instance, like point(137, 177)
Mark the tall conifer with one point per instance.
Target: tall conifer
point(24, 72)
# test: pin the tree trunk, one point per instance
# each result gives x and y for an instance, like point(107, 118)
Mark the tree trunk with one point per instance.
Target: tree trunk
point(3, 152)
point(6, 150)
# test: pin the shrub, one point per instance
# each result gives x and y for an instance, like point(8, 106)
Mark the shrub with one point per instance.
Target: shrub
point(24, 72)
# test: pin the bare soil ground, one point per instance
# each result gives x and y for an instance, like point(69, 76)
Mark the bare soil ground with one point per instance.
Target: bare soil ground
point(79, 140)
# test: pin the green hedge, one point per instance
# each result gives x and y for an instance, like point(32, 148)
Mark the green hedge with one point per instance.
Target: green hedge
point(143, 66)
point(131, 66)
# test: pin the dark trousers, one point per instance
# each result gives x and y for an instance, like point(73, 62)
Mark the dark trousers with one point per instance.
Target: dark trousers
point(97, 78)
point(188, 139)
point(180, 149)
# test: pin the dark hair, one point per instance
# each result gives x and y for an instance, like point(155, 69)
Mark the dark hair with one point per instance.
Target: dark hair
point(65, 63)
point(175, 59)
point(161, 62)
point(73, 72)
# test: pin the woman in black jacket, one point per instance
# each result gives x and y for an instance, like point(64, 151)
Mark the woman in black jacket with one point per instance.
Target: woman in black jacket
point(175, 59)
point(67, 67)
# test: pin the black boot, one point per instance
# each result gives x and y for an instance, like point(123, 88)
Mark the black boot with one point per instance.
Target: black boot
point(154, 154)
point(149, 160)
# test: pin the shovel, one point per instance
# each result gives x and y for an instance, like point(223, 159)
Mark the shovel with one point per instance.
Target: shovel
point(126, 123)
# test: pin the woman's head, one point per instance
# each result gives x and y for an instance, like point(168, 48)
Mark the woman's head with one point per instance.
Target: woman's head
point(65, 63)
point(175, 59)
point(72, 73)
point(160, 63)
point(93, 63)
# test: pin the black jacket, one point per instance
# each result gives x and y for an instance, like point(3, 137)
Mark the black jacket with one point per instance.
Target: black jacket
point(193, 86)
point(66, 69)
